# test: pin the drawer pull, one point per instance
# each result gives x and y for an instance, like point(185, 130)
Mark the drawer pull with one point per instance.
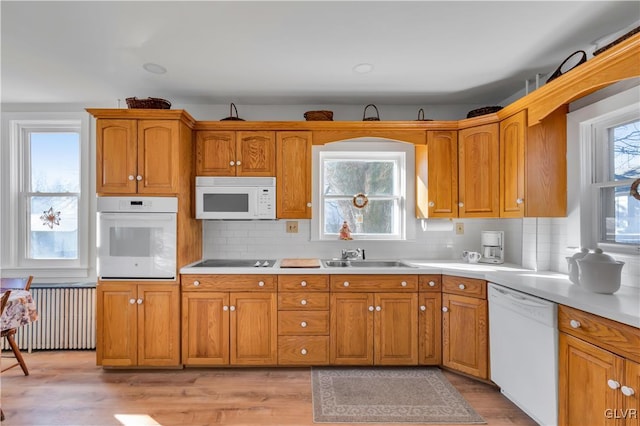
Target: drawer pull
point(232, 163)
point(371, 308)
point(627, 391)
point(139, 301)
point(138, 178)
point(303, 324)
point(613, 384)
point(423, 308)
point(238, 163)
point(461, 286)
point(378, 308)
point(303, 351)
point(303, 283)
point(574, 324)
point(445, 309)
point(432, 283)
point(225, 308)
point(232, 308)
point(346, 284)
point(196, 283)
point(132, 301)
point(403, 283)
point(303, 302)
point(261, 284)
point(432, 204)
point(131, 177)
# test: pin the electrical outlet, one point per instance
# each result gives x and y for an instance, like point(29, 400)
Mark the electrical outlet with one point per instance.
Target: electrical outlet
point(459, 228)
point(292, 226)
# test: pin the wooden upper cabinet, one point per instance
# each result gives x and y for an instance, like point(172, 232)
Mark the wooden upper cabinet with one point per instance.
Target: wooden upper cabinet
point(230, 153)
point(137, 156)
point(513, 133)
point(293, 175)
point(478, 162)
point(437, 176)
point(546, 167)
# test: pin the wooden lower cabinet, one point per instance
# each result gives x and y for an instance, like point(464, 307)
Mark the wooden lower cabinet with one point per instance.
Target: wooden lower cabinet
point(465, 334)
point(374, 328)
point(430, 320)
point(598, 382)
point(138, 324)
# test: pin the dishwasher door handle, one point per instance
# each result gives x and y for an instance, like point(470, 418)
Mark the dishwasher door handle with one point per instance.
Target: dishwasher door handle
point(522, 300)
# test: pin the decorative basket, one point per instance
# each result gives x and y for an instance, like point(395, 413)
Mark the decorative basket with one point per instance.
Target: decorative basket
point(372, 118)
point(558, 72)
point(616, 41)
point(149, 103)
point(483, 111)
point(318, 115)
point(421, 116)
point(232, 108)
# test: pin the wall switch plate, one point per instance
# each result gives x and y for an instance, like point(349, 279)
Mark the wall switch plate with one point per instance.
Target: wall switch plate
point(292, 226)
point(459, 228)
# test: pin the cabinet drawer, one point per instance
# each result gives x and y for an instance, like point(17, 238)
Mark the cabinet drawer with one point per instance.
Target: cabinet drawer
point(228, 282)
point(294, 323)
point(464, 286)
point(303, 350)
point(303, 282)
point(621, 339)
point(430, 282)
point(303, 301)
point(369, 283)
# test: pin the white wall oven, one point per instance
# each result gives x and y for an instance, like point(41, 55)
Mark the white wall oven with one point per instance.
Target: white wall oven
point(137, 238)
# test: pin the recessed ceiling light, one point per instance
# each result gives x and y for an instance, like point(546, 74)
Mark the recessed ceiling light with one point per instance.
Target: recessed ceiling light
point(363, 68)
point(154, 68)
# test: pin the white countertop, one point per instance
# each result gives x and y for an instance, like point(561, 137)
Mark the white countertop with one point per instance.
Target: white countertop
point(622, 306)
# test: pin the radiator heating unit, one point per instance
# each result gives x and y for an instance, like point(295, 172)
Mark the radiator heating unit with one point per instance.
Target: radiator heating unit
point(66, 320)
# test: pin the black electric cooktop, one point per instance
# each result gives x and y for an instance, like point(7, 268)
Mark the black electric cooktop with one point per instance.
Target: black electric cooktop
point(235, 263)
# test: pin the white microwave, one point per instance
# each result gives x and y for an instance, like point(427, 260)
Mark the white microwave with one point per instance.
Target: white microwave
point(235, 197)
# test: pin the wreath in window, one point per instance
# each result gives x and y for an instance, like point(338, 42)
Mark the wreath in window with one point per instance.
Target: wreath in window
point(360, 200)
point(634, 189)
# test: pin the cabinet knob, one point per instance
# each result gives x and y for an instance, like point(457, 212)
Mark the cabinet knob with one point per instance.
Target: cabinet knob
point(432, 204)
point(132, 301)
point(346, 284)
point(574, 324)
point(303, 324)
point(139, 301)
point(131, 177)
point(461, 286)
point(196, 283)
point(303, 283)
point(627, 391)
point(308, 204)
point(378, 308)
point(303, 351)
point(461, 204)
point(371, 308)
point(138, 178)
point(519, 201)
point(225, 308)
point(303, 302)
point(238, 163)
point(260, 283)
point(403, 283)
point(423, 308)
point(232, 163)
point(232, 308)
point(432, 283)
point(445, 309)
point(613, 384)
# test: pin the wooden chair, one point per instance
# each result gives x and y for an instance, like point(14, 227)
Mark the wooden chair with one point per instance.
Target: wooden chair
point(3, 303)
point(15, 284)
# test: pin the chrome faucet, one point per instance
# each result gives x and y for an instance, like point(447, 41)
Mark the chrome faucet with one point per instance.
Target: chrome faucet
point(352, 254)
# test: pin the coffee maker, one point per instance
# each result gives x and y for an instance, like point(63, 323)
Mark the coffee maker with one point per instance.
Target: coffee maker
point(492, 247)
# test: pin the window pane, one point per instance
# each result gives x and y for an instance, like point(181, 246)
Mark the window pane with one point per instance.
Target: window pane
point(378, 217)
point(55, 162)
point(626, 151)
point(621, 216)
point(53, 235)
point(350, 177)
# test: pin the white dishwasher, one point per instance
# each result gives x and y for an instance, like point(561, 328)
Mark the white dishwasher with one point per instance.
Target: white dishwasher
point(523, 341)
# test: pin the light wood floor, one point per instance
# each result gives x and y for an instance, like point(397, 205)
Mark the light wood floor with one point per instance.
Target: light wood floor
point(67, 388)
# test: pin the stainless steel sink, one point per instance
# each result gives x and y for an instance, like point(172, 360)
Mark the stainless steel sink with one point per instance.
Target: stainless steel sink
point(333, 263)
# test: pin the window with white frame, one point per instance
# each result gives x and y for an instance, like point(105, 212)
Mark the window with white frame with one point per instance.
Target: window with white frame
point(616, 162)
point(48, 183)
point(366, 189)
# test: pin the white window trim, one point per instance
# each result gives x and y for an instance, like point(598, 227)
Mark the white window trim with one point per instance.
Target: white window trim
point(368, 145)
point(585, 126)
point(12, 242)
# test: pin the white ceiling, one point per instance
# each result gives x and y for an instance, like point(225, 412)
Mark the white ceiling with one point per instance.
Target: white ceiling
point(293, 52)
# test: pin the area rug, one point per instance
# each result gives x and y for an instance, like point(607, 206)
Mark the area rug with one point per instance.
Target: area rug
point(387, 395)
